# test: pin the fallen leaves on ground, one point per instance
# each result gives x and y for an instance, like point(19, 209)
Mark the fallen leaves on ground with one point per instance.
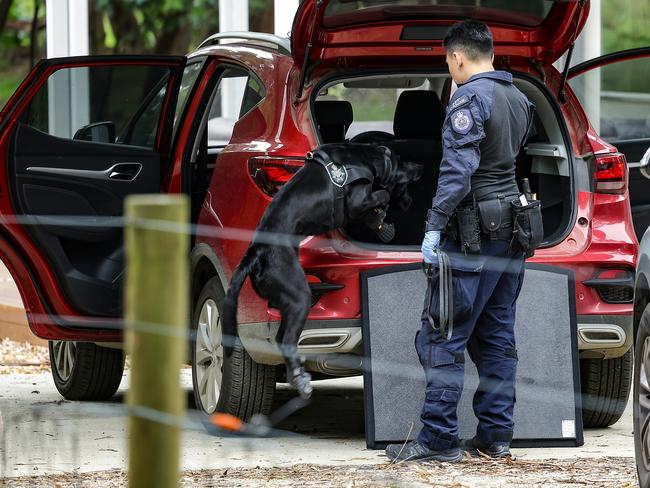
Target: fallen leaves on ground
point(23, 358)
point(471, 473)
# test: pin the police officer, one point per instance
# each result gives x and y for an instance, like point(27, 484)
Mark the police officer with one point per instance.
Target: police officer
point(486, 125)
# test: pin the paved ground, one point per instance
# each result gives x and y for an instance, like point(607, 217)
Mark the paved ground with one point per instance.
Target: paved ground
point(43, 434)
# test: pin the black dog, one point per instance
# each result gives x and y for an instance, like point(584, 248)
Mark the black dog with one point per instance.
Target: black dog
point(339, 184)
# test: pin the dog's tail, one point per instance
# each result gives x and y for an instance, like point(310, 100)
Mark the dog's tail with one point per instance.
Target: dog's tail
point(229, 309)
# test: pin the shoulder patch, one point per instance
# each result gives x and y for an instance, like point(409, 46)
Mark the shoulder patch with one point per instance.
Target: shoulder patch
point(459, 102)
point(338, 174)
point(462, 121)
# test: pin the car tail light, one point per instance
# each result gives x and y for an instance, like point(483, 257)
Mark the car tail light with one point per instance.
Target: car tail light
point(611, 174)
point(271, 172)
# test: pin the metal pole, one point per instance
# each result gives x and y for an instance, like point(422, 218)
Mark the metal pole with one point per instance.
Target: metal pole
point(233, 16)
point(156, 313)
point(67, 35)
point(589, 46)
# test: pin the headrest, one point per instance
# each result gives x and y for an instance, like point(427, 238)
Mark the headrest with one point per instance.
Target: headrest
point(418, 115)
point(333, 112)
point(333, 118)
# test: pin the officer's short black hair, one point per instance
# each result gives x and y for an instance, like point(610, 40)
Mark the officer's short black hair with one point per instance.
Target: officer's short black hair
point(471, 37)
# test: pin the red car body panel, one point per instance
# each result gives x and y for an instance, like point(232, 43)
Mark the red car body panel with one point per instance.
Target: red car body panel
point(601, 237)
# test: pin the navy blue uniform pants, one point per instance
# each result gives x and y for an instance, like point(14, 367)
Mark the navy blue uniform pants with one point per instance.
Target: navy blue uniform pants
point(489, 335)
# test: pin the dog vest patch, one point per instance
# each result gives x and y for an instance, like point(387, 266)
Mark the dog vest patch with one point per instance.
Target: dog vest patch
point(338, 174)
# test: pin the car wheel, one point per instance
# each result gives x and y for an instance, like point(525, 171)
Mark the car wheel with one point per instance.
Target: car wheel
point(85, 371)
point(641, 400)
point(236, 385)
point(605, 389)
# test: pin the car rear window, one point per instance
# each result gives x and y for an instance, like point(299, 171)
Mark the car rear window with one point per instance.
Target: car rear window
point(528, 13)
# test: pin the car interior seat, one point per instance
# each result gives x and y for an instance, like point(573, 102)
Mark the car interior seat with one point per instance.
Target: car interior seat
point(417, 125)
point(333, 118)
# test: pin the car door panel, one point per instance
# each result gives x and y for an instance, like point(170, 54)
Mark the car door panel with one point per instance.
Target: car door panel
point(47, 185)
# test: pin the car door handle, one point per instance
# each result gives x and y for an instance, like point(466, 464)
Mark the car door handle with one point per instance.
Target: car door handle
point(120, 172)
point(125, 171)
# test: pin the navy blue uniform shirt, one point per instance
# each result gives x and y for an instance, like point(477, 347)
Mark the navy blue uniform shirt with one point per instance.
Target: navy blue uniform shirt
point(486, 125)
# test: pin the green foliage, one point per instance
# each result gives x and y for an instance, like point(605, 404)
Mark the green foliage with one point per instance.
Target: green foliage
point(626, 25)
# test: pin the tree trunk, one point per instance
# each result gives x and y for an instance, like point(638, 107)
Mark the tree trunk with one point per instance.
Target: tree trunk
point(96, 27)
point(128, 36)
point(33, 34)
point(5, 6)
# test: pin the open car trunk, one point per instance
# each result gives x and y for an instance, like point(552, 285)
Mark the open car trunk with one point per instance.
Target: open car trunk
point(404, 112)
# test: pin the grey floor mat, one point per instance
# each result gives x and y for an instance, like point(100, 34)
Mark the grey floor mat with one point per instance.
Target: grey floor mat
point(547, 412)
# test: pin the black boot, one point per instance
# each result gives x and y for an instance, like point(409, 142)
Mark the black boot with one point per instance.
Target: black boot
point(414, 451)
point(475, 446)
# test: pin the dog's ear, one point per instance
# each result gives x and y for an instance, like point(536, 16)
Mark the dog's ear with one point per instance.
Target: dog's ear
point(405, 201)
point(410, 172)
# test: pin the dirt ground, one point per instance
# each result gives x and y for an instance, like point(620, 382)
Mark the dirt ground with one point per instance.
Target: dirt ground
point(602, 473)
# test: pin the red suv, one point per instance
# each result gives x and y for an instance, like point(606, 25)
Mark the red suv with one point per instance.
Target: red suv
point(230, 123)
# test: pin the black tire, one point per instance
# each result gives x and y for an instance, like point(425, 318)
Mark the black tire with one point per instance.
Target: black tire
point(247, 388)
point(606, 387)
point(641, 400)
point(95, 374)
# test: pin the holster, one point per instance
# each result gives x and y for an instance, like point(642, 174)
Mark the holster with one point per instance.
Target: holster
point(528, 227)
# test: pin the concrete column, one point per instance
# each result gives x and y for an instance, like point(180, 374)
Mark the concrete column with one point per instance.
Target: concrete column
point(67, 28)
point(283, 14)
point(67, 35)
point(589, 46)
point(233, 16)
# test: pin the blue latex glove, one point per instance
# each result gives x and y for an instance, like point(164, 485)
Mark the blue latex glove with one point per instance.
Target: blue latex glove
point(430, 246)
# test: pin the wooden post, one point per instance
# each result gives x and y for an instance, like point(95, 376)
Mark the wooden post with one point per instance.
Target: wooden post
point(156, 311)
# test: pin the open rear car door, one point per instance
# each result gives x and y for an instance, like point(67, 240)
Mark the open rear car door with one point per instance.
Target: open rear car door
point(78, 137)
point(615, 92)
point(380, 33)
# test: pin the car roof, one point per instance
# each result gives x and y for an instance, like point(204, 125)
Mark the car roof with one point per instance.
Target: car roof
point(255, 40)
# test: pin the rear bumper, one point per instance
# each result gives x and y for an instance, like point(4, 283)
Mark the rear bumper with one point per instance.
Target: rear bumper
point(334, 347)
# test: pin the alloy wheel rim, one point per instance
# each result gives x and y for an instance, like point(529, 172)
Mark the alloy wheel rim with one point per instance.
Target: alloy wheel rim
point(64, 358)
point(208, 356)
point(643, 416)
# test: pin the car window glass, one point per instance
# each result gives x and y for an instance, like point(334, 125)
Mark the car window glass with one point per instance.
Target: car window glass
point(374, 100)
point(108, 104)
point(254, 94)
point(190, 75)
point(616, 99)
point(227, 105)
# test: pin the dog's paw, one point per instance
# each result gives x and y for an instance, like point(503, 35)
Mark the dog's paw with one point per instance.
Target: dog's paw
point(302, 383)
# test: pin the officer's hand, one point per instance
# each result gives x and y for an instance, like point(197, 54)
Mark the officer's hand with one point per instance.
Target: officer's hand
point(430, 246)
